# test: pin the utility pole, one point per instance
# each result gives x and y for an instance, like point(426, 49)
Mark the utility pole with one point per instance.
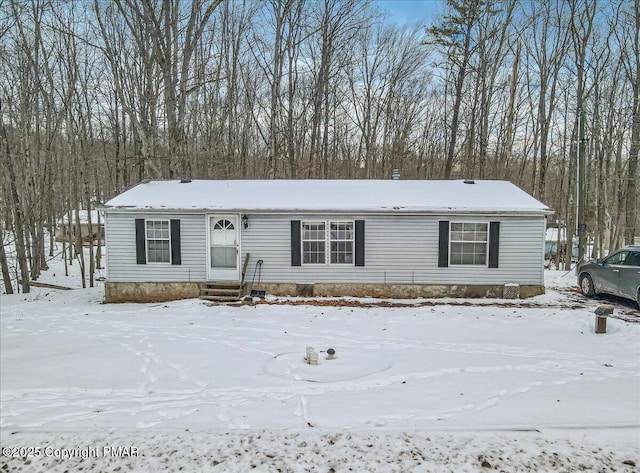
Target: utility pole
point(581, 190)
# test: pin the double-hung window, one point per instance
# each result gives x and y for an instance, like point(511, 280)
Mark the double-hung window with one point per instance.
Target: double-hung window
point(338, 239)
point(313, 243)
point(158, 241)
point(469, 243)
point(341, 238)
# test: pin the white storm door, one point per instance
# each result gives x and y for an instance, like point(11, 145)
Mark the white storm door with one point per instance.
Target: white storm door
point(224, 248)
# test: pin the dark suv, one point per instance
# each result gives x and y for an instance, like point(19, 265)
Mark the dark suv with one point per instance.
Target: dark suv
point(617, 274)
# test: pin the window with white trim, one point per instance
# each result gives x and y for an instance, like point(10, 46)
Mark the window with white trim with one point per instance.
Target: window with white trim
point(313, 243)
point(469, 243)
point(158, 242)
point(341, 240)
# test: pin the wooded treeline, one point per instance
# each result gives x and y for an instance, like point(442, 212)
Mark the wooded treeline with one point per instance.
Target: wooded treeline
point(97, 95)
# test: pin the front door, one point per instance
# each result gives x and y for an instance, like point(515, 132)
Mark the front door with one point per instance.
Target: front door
point(224, 248)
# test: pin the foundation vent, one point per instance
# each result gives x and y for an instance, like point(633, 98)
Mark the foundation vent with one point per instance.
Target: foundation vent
point(511, 291)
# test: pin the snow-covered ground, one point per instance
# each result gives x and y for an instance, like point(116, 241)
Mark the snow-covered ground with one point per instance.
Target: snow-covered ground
point(56, 273)
point(488, 385)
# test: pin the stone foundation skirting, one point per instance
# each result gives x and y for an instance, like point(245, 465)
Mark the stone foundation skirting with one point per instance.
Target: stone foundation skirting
point(169, 291)
point(394, 291)
point(150, 291)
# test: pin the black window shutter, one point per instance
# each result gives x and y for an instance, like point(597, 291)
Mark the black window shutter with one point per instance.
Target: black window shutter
point(359, 253)
point(141, 250)
point(295, 243)
point(443, 243)
point(176, 252)
point(494, 244)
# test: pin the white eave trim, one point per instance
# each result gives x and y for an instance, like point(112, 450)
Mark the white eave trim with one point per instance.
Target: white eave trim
point(391, 211)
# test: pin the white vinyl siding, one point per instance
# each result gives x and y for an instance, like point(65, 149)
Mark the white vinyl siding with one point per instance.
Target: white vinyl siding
point(398, 249)
point(120, 244)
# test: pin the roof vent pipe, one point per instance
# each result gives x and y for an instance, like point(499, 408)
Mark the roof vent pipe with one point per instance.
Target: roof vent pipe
point(395, 175)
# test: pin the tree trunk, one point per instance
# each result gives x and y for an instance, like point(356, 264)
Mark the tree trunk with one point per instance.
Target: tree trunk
point(4, 266)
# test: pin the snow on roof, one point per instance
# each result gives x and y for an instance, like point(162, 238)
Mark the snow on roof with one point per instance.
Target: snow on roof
point(330, 195)
point(83, 217)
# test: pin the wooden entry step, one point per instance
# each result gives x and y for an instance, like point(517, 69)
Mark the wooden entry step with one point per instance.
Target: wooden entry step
point(221, 291)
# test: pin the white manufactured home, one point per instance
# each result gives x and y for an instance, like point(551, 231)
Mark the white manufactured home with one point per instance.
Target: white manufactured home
point(382, 238)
